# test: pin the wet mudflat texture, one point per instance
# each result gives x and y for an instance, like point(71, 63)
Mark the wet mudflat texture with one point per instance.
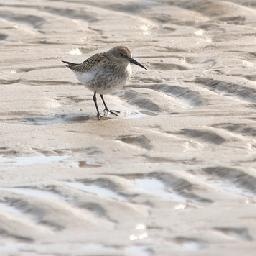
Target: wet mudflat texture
point(174, 174)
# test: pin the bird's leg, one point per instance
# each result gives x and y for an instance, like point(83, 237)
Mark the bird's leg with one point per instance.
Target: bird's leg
point(113, 112)
point(96, 105)
point(104, 103)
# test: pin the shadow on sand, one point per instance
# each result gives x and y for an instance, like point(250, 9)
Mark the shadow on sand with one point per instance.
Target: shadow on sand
point(57, 118)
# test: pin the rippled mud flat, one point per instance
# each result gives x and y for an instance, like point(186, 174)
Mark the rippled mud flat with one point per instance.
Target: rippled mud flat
point(173, 174)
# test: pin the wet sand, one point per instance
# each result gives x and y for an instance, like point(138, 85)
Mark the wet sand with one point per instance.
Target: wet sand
point(174, 174)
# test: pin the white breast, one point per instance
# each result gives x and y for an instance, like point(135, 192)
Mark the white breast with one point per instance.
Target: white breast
point(86, 77)
point(129, 70)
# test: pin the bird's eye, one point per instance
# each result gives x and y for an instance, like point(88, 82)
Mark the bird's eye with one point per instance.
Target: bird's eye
point(122, 54)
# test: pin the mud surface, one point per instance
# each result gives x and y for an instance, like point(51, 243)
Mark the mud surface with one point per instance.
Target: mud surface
point(174, 174)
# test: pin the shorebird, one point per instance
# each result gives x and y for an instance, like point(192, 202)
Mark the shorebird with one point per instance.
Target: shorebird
point(104, 73)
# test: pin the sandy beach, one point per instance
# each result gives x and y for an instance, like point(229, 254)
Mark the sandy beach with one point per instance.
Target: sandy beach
point(174, 174)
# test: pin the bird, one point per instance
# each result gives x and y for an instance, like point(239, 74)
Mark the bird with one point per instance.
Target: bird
point(104, 73)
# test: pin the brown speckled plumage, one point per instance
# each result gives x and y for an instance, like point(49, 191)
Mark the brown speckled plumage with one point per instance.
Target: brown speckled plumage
point(93, 62)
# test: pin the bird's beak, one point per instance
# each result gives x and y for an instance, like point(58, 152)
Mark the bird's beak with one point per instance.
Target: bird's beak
point(133, 61)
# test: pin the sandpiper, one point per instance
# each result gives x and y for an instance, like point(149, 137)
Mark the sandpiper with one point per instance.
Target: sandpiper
point(105, 72)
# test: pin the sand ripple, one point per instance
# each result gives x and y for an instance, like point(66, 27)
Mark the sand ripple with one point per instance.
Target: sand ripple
point(173, 175)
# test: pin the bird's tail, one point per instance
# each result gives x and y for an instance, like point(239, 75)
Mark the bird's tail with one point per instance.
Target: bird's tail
point(69, 64)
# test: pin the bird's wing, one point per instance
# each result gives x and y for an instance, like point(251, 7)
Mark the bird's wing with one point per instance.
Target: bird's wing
point(90, 63)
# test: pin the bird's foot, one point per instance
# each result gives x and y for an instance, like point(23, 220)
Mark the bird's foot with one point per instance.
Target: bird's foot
point(102, 117)
point(113, 112)
point(99, 116)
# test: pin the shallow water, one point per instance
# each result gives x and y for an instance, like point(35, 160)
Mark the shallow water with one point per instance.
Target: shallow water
point(155, 188)
point(96, 190)
point(30, 160)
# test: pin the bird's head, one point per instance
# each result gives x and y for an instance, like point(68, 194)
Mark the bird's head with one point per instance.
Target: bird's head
point(122, 54)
